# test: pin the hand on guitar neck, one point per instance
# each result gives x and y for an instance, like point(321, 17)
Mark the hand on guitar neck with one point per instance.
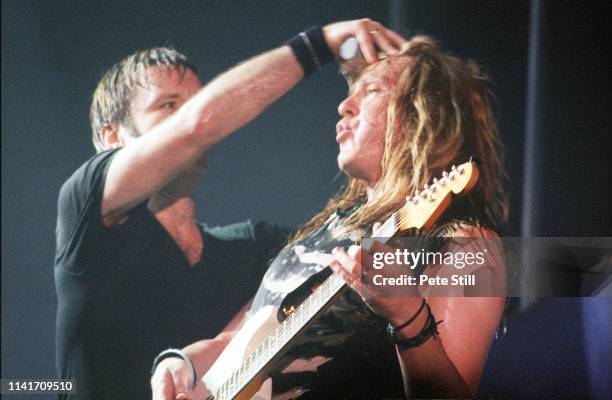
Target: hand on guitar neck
point(348, 265)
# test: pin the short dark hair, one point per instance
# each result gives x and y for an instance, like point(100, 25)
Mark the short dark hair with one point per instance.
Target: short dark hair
point(110, 104)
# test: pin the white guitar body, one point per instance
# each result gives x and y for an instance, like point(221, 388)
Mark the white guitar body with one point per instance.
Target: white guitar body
point(254, 331)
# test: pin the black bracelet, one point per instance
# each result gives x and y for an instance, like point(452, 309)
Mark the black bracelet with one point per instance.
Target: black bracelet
point(310, 49)
point(405, 324)
point(429, 329)
point(178, 354)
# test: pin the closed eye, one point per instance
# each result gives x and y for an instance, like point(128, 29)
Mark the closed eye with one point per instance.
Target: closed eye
point(168, 105)
point(373, 89)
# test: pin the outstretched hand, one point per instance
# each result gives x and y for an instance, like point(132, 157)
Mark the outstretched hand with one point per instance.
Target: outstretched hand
point(371, 36)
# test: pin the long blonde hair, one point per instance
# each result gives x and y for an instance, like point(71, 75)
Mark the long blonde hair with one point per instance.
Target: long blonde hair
point(440, 114)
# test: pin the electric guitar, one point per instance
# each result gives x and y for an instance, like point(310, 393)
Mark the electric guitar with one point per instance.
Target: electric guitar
point(262, 341)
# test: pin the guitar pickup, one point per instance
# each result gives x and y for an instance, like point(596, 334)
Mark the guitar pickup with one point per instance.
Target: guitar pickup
point(293, 300)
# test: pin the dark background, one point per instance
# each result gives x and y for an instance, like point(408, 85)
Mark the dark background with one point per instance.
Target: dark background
point(554, 102)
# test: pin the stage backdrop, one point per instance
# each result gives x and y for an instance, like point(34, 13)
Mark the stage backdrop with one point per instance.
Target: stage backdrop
point(282, 168)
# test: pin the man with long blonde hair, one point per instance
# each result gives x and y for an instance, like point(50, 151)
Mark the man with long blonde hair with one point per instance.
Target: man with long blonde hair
point(410, 114)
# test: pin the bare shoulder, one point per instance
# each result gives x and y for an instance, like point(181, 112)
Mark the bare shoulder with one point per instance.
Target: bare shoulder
point(479, 239)
point(474, 253)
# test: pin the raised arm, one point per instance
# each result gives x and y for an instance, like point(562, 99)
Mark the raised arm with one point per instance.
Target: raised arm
point(148, 163)
point(151, 161)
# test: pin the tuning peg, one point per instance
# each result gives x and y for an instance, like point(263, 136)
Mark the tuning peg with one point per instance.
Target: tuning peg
point(415, 199)
point(433, 188)
point(443, 181)
point(444, 174)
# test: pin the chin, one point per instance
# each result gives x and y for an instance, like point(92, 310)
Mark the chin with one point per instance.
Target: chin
point(343, 163)
point(348, 168)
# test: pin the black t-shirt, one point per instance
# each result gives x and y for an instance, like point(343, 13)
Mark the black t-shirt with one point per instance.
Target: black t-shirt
point(127, 292)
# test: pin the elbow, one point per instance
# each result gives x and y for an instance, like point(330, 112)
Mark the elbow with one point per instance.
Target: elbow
point(438, 391)
point(440, 385)
point(224, 338)
point(201, 127)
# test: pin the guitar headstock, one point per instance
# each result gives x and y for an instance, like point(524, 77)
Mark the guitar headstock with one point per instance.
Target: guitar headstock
point(424, 207)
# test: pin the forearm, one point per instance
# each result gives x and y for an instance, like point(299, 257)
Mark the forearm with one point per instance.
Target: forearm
point(429, 373)
point(242, 93)
point(450, 363)
point(204, 353)
point(427, 370)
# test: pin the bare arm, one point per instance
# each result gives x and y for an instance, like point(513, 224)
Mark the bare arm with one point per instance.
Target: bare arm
point(451, 363)
point(232, 100)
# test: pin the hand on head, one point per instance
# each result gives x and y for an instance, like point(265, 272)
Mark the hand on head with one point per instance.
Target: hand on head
point(372, 36)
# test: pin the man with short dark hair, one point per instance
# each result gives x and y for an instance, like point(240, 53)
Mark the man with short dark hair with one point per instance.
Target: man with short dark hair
point(132, 262)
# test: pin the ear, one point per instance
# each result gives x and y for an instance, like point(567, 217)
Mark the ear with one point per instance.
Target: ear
point(110, 137)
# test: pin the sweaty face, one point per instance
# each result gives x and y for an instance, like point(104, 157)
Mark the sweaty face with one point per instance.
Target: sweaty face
point(153, 101)
point(361, 131)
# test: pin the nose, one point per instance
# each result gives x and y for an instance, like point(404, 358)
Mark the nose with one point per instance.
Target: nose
point(348, 107)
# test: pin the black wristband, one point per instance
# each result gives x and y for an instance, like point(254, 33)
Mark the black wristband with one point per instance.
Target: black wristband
point(310, 49)
point(405, 324)
point(429, 329)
